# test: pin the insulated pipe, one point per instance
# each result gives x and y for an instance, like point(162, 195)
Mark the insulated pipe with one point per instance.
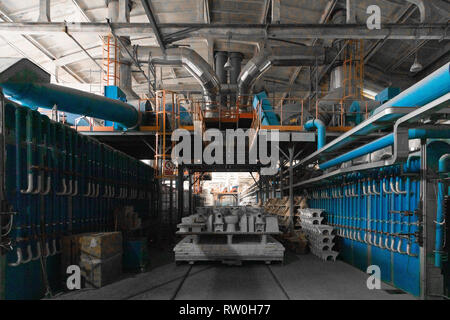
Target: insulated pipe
point(53, 175)
point(381, 143)
point(196, 66)
point(44, 198)
point(386, 210)
point(381, 216)
point(46, 95)
point(278, 56)
point(321, 131)
point(428, 89)
point(359, 223)
point(434, 85)
point(20, 219)
point(392, 218)
point(29, 152)
point(440, 221)
point(400, 227)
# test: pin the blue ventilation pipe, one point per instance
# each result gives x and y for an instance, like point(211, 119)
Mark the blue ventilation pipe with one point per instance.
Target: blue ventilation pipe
point(428, 89)
point(321, 131)
point(46, 95)
point(383, 142)
point(442, 191)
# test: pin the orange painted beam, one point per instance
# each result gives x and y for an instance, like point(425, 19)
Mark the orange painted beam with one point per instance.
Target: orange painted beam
point(339, 129)
point(82, 128)
point(106, 129)
point(283, 128)
point(149, 128)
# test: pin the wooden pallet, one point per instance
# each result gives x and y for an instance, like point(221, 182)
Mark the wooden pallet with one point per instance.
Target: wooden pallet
point(212, 248)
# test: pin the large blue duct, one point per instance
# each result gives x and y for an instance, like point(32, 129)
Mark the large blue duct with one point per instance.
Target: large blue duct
point(428, 89)
point(425, 91)
point(46, 95)
point(381, 143)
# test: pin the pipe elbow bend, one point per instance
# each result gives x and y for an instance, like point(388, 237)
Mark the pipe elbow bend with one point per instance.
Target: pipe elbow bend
point(321, 131)
point(19, 259)
point(444, 163)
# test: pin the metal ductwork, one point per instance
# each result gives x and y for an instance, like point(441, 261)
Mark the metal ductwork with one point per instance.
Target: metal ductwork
point(221, 59)
point(196, 66)
point(46, 95)
point(278, 56)
point(119, 11)
point(431, 11)
point(28, 84)
point(236, 62)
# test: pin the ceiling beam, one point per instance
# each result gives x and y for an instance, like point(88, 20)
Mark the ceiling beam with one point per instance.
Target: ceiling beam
point(148, 11)
point(350, 7)
point(378, 44)
point(265, 11)
point(81, 10)
point(436, 60)
point(5, 17)
point(196, 88)
point(85, 51)
point(205, 11)
point(398, 62)
point(430, 11)
point(159, 38)
point(44, 11)
point(323, 19)
point(89, 52)
point(436, 31)
point(276, 11)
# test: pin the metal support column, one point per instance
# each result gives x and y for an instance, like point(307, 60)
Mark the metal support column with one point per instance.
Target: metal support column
point(2, 199)
point(2, 272)
point(190, 193)
point(432, 282)
point(423, 190)
point(159, 210)
point(280, 180)
point(274, 187)
point(171, 205)
point(180, 192)
point(44, 11)
point(260, 190)
point(291, 188)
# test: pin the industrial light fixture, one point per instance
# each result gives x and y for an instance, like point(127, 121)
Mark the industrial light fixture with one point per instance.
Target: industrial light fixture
point(416, 66)
point(228, 65)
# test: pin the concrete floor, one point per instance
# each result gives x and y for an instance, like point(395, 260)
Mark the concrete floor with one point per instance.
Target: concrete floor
point(301, 277)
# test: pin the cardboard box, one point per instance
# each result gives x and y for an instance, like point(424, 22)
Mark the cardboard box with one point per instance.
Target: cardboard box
point(102, 245)
point(100, 272)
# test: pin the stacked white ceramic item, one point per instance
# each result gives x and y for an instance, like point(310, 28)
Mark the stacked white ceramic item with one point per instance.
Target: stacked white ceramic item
point(320, 235)
point(229, 234)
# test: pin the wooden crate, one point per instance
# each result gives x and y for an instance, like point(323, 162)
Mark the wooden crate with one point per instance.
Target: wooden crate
point(102, 245)
point(70, 251)
point(100, 272)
